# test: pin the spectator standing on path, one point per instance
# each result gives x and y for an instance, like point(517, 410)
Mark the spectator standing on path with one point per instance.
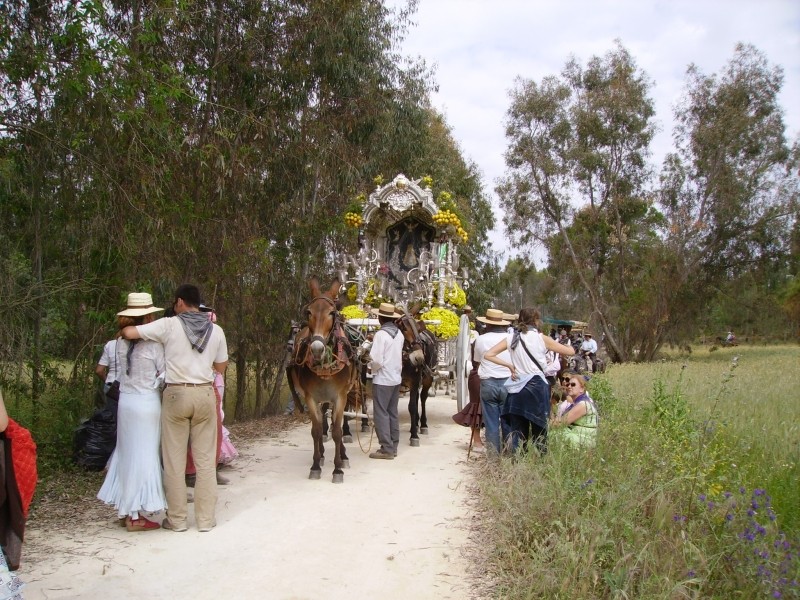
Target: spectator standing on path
point(386, 363)
point(527, 407)
point(492, 376)
point(133, 483)
point(194, 349)
point(106, 368)
point(219, 391)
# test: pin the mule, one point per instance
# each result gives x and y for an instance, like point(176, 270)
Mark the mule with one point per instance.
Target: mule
point(419, 367)
point(356, 397)
point(323, 371)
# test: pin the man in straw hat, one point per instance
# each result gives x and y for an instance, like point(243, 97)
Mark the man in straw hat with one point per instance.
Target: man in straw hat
point(194, 349)
point(386, 363)
point(493, 392)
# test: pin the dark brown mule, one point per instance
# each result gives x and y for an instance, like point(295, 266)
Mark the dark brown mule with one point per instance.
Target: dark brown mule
point(419, 362)
point(322, 370)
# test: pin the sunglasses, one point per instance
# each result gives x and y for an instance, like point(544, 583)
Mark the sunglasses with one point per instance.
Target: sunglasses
point(573, 384)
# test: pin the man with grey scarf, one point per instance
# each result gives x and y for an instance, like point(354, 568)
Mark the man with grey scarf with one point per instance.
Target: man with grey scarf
point(194, 348)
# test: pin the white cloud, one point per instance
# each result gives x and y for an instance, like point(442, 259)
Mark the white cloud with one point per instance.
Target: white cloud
point(481, 46)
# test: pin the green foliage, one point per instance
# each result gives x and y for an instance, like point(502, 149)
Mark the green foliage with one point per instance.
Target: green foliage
point(148, 145)
point(686, 491)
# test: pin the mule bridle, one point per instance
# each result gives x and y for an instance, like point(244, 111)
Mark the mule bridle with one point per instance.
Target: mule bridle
point(337, 320)
point(341, 351)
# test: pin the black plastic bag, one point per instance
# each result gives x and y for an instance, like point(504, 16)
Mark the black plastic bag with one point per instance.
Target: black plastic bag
point(96, 438)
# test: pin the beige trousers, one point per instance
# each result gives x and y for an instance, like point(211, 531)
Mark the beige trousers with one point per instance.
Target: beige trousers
point(189, 416)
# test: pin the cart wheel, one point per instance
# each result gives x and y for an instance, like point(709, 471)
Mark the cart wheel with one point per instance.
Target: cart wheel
point(463, 363)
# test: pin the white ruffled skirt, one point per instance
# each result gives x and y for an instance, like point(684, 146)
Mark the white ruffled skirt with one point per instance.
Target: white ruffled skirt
point(134, 482)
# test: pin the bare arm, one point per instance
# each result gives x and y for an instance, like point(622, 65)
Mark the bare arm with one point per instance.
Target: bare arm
point(101, 371)
point(553, 345)
point(491, 356)
point(220, 367)
point(575, 413)
point(131, 333)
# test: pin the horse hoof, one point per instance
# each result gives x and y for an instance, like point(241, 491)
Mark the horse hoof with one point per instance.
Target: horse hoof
point(348, 439)
point(414, 442)
point(314, 474)
point(365, 429)
point(346, 463)
point(324, 438)
point(338, 478)
point(423, 430)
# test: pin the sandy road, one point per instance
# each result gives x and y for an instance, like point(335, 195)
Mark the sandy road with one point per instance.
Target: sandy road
point(394, 530)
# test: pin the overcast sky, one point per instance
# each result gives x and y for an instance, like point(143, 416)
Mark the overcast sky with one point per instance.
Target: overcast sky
point(479, 47)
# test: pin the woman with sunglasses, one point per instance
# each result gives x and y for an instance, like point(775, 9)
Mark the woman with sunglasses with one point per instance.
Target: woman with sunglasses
point(561, 400)
point(577, 424)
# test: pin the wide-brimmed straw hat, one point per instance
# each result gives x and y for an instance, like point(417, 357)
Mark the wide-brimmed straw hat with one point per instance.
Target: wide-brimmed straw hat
point(494, 317)
point(386, 310)
point(139, 304)
point(510, 316)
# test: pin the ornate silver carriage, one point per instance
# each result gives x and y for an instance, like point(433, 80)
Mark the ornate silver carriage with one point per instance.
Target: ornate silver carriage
point(408, 254)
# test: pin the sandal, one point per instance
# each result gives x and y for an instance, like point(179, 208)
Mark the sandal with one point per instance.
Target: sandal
point(140, 524)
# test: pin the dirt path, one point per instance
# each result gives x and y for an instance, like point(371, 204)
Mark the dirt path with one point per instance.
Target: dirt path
point(394, 530)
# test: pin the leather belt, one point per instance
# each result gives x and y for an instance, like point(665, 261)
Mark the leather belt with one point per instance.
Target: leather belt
point(188, 384)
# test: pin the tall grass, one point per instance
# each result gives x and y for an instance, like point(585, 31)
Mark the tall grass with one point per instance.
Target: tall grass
point(692, 491)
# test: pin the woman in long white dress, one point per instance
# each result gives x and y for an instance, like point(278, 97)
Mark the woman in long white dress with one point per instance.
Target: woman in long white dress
point(133, 484)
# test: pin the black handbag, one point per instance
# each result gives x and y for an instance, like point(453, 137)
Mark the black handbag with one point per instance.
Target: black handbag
point(113, 391)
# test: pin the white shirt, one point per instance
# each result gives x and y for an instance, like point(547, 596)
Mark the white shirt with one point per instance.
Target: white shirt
point(184, 363)
point(519, 357)
point(147, 367)
point(488, 369)
point(107, 360)
point(589, 345)
point(386, 356)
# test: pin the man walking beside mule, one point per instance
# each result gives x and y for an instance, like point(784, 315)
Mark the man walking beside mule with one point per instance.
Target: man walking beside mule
point(194, 349)
point(386, 363)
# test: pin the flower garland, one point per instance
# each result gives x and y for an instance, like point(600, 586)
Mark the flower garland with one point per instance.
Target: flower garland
point(448, 325)
point(353, 311)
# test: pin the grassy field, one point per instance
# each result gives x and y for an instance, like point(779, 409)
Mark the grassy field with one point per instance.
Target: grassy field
point(692, 491)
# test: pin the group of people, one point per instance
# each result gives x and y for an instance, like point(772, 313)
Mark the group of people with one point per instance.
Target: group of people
point(514, 369)
point(168, 407)
point(583, 343)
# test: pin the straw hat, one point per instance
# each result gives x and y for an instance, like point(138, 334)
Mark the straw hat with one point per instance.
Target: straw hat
point(494, 317)
point(386, 310)
point(139, 304)
point(511, 317)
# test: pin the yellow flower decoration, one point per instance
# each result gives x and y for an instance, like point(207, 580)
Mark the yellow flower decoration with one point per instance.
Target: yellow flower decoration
point(449, 322)
point(353, 311)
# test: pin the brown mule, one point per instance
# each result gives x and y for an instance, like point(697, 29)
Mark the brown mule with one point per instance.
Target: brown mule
point(419, 363)
point(322, 371)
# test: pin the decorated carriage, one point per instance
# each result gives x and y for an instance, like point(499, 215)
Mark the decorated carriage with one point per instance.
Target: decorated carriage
point(407, 254)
